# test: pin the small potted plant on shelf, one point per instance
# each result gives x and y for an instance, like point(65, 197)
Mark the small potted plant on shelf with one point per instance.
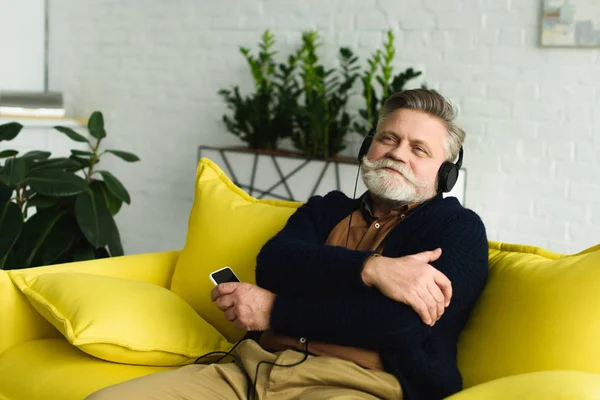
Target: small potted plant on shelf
point(56, 210)
point(263, 117)
point(321, 119)
point(380, 69)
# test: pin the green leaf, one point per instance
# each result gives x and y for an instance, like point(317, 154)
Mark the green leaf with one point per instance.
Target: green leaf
point(111, 201)
point(8, 153)
point(59, 241)
point(72, 134)
point(101, 253)
point(5, 192)
point(56, 183)
point(55, 163)
point(14, 171)
point(10, 131)
point(115, 186)
point(36, 231)
point(93, 218)
point(124, 155)
point(114, 245)
point(83, 162)
point(36, 155)
point(7, 261)
point(81, 153)
point(41, 201)
point(96, 125)
point(11, 223)
point(84, 252)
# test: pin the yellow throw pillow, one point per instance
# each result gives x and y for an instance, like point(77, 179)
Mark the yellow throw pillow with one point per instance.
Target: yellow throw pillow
point(121, 320)
point(539, 311)
point(227, 227)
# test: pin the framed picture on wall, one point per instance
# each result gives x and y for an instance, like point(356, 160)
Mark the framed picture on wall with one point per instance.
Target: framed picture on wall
point(570, 23)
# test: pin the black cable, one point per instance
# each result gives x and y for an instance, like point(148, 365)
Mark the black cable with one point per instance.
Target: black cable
point(252, 391)
point(253, 386)
point(353, 198)
point(225, 353)
point(236, 360)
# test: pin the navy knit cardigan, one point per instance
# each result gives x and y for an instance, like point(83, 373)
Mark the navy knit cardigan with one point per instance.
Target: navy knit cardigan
point(321, 296)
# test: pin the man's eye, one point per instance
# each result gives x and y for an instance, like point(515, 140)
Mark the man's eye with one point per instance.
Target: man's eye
point(387, 139)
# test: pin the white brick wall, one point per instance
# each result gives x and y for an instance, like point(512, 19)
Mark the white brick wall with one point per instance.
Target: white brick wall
point(154, 68)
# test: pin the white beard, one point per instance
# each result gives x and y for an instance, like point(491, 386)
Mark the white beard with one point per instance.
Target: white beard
point(388, 185)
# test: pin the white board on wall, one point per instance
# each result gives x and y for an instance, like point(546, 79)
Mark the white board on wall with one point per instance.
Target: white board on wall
point(22, 38)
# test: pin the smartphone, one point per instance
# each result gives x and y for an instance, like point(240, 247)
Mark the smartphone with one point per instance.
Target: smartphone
point(223, 275)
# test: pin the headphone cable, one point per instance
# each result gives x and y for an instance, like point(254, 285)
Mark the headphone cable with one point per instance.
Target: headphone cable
point(274, 364)
point(353, 198)
point(252, 389)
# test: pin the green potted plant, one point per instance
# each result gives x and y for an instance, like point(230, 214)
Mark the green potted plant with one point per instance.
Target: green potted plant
point(380, 71)
point(56, 210)
point(263, 117)
point(321, 119)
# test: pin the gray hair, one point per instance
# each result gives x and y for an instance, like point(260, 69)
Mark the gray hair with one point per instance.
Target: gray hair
point(430, 102)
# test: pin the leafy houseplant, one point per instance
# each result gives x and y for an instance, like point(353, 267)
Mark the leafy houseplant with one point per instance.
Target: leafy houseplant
point(262, 118)
point(382, 62)
point(308, 101)
point(320, 119)
point(74, 209)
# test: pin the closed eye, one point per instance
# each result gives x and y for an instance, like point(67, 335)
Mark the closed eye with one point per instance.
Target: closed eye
point(421, 151)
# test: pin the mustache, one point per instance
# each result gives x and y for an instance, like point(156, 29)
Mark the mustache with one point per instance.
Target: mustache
point(396, 166)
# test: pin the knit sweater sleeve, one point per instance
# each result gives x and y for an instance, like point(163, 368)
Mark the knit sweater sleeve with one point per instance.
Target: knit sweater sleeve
point(296, 260)
point(371, 320)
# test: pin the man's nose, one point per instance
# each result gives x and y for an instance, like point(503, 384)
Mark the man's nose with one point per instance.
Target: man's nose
point(399, 153)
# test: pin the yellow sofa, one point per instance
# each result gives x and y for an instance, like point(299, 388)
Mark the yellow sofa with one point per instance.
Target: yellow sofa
point(534, 333)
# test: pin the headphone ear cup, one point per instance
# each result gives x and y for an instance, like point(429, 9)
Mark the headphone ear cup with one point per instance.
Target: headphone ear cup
point(364, 147)
point(447, 176)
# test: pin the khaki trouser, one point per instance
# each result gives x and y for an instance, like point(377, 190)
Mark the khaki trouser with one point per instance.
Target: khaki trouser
point(316, 378)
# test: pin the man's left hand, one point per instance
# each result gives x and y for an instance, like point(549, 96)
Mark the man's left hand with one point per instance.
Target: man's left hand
point(247, 306)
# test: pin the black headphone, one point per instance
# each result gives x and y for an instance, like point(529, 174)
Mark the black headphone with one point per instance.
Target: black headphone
point(447, 174)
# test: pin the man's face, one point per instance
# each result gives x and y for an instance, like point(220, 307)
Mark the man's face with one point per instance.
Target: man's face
point(405, 156)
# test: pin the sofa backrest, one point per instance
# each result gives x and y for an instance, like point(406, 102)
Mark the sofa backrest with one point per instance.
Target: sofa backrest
point(539, 311)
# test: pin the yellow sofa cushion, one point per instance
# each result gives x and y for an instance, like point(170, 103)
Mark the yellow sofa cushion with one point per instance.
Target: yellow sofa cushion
point(546, 385)
point(120, 320)
point(53, 369)
point(227, 227)
point(539, 311)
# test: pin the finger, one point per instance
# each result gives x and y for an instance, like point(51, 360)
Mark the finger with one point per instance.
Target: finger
point(430, 304)
point(224, 302)
point(215, 293)
point(435, 254)
point(429, 256)
point(437, 295)
point(445, 286)
point(420, 307)
point(223, 289)
point(230, 314)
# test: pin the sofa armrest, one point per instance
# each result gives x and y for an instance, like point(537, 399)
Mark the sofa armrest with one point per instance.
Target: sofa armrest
point(549, 385)
point(20, 322)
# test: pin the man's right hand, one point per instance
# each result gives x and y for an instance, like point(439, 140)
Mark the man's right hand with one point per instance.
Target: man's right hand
point(413, 281)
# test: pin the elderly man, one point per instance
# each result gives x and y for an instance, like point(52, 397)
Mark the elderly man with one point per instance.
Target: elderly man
point(360, 299)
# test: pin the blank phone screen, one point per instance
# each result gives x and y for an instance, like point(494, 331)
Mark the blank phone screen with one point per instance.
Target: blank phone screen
point(225, 275)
